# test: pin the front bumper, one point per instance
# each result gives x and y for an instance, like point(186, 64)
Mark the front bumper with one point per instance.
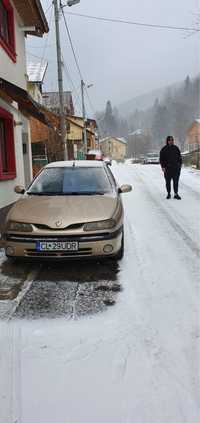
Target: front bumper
point(90, 245)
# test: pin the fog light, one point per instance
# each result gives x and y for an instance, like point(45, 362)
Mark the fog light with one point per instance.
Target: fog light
point(10, 251)
point(108, 248)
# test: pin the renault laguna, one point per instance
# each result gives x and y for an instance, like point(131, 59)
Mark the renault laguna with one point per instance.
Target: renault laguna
point(71, 210)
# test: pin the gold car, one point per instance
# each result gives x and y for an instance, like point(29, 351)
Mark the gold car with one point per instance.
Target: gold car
point(71, 210)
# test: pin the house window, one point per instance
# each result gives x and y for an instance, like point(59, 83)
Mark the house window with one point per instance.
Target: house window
point(7, 30)
point(7, 150)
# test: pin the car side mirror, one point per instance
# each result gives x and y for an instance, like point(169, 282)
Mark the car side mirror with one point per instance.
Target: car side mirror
point(124, 188)
point(19, 189)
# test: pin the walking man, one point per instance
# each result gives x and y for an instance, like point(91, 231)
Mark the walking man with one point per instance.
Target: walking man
point(171, 162)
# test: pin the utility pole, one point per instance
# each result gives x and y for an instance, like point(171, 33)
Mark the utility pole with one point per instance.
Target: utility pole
point(60, 81)
point(84, 117)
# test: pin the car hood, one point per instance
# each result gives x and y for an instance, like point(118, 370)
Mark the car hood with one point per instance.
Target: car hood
point(67, 210)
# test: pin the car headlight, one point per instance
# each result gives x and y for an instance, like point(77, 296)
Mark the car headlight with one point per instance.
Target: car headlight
point(102, 224)
point(19, 227)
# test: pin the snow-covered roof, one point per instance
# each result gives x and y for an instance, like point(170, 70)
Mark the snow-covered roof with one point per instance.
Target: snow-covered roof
point(137, 132)
point(36, 71)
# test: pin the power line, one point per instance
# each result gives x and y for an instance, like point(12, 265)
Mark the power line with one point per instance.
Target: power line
point(29, 53)
point(47, 38)
point(73, 49)
point(74, 89)
point(72, 46)
point(48, 8)
point(125, 22)
point(75, 58)
point(39, 47)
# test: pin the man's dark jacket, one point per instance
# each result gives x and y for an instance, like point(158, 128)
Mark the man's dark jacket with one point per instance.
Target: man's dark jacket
point(170, 157)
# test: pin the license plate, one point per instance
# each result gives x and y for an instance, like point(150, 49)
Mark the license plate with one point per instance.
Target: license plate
point(57, 246)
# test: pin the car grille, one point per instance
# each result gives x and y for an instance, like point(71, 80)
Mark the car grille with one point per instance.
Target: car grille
point(32, 238)
point(35, 238)
point(79, 253)
point(48, 228)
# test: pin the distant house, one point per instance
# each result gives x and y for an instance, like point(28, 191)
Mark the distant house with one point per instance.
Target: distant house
point(193, 136)
point(114, 147)
point(91, 127)
point(46, 142)
point(51, 101)
point(17, 19)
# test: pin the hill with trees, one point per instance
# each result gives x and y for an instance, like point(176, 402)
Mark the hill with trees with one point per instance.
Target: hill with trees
point(178, 107)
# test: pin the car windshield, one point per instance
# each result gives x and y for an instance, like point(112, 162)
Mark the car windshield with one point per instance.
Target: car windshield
point(71, 180)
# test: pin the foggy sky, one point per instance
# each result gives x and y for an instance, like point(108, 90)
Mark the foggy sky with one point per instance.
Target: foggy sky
point(122, 61)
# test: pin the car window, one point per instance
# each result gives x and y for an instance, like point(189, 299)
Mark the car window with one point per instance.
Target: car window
point(75, 180)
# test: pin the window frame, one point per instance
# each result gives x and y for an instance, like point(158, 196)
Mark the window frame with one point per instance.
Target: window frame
point(10, 147)
point(9, 48)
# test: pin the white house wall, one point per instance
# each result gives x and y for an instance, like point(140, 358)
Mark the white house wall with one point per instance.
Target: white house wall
point(15, 72)
point(7, 194)
point(27, 157)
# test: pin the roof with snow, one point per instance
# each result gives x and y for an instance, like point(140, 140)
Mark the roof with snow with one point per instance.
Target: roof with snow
point(137, 132)
point(36, 71)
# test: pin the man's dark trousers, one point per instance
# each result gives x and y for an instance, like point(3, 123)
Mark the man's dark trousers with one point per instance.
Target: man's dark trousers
point(172, 174)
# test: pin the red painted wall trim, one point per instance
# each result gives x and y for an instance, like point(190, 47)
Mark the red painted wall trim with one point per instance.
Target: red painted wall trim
point(10, 147)
point(10, 49)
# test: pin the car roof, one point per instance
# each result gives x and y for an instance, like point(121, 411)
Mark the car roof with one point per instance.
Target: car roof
point(76, 163)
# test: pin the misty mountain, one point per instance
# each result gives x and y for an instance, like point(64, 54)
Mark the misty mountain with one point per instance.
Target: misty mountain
point(172, 110)
point(145, 101)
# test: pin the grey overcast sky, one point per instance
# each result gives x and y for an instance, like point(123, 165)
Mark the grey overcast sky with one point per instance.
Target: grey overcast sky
point(122, 61)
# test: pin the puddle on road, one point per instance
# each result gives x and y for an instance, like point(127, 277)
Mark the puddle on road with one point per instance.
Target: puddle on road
point(114, 288)
point(71, 290)
point(12, 277)
point(10, 293)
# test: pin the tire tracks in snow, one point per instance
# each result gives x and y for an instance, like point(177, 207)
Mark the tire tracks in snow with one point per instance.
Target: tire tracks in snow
point(164, 356)
point(192, 191)
point(194, 247)
point(161, 357)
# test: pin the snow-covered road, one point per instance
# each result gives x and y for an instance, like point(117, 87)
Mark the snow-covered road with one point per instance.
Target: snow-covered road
point(138, 361)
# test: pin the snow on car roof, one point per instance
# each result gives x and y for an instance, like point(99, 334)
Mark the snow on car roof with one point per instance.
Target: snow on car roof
point(76, 163)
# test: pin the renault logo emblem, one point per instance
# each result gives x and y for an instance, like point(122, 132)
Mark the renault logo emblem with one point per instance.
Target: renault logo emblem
point(59, 223)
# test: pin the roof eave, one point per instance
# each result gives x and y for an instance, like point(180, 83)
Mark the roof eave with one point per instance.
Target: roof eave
point(42, 16)
point(32, 14)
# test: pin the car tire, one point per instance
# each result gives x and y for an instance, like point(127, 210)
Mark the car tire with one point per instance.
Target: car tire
point(120, 254)
point(11, 259)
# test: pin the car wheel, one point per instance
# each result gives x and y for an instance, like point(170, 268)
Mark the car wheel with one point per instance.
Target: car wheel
point(120, 253)
point(11, 259)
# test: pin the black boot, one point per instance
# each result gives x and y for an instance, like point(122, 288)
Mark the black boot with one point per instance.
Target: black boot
point(177, 197)
point(168, 196)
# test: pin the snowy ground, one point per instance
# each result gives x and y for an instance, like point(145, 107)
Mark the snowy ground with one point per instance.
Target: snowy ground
point(134, 362)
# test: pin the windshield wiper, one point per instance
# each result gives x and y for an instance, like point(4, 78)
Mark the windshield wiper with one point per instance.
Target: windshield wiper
point(42, 193)
point(67, 193)
point(84, 193)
